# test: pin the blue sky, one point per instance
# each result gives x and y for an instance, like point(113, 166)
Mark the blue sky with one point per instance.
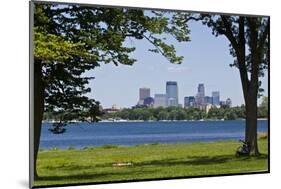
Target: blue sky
point(206, 60)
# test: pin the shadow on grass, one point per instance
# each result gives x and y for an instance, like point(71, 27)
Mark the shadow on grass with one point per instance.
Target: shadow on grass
point(86, 176)
point(189, 160)
point(201, 160)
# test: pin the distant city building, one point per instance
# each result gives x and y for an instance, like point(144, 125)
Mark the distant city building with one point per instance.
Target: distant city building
point(208, 100)
point(160, 100)
point(228, 102)
point(171, 98)
point(149, 101)
point(222, 103)
point(113, 109)
point(216, 97)
point(114, 106)
point(143, 93)
point(200, 94)
point(201, 89)
point(172, 93)
point(172, 102)
point(189, 101)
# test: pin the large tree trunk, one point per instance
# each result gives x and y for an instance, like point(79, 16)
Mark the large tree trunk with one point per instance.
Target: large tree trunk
point(251, 122)
point(252, 94)
point(250, 87)
point(38, 110)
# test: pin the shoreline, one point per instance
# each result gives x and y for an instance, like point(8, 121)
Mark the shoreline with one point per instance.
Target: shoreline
point(111, 146)
point(140, 121)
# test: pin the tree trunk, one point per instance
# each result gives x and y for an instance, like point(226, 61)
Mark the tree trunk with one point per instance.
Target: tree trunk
point(250, 87)
point(38, 110)
point(252, 95)
point(251, 123)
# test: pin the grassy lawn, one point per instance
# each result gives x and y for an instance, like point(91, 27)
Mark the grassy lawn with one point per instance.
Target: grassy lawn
point(122, 163)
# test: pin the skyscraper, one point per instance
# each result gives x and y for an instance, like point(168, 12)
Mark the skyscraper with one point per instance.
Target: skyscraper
point(189, 101)
point(143, 94)
point(208, 100)
point(200, 94)
point(201, 89)
point(160, 100)
point(216, 97)
point(172, 93)
point(228, 102)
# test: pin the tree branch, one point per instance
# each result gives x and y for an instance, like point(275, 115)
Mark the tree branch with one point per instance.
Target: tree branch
point(159, 49)
point(241, 56)
point(264, 35)
point(228, 33)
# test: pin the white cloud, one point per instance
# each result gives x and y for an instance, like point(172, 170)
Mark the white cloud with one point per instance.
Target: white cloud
point(177, 69)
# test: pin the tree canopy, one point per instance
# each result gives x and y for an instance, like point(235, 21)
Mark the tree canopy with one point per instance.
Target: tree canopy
point(249, 45)
point(70, 40)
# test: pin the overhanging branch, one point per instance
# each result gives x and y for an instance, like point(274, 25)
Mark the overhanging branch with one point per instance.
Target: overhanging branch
point(228, 33)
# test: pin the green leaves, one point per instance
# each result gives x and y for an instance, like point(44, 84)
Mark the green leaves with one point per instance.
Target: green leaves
point(164, 23)
point(50, 48)
point(70, 40)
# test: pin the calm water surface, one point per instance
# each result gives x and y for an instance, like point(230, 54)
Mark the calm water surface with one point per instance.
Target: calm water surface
point(132, 133)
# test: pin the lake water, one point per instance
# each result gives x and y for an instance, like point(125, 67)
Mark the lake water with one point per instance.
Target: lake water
point(132, 133)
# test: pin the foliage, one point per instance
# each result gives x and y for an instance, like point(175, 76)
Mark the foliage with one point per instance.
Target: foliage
point(230, 27)
point(70, 40)
point(263, 108)
point(177, 113)
point(248, 38)
point(50, 47)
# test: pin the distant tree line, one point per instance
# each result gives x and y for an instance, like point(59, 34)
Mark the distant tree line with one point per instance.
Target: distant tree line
point(177, 113)
point(172, 113)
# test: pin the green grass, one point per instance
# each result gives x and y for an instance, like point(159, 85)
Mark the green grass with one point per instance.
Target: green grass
point(123, 163)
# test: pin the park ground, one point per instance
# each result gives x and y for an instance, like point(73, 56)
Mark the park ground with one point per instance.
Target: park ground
point(111, 163)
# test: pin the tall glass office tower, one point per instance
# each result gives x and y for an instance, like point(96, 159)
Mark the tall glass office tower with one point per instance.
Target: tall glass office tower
point(201, 89)
point(189, 101)
point(160, 100)
point(216, 97)
point(200, 94)
point(172, 93)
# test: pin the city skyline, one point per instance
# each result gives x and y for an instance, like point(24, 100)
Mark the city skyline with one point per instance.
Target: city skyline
point(170, 98)
point(162, 99)
point(120, 84)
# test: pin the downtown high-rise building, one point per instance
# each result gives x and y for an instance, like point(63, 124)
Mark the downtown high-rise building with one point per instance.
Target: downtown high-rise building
point(160, 100)
point(143, 94)
point(216, 98)
point(189, 101)
point(208, 100)
point(200, 97)
point(201, 89)
point(172, 93)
